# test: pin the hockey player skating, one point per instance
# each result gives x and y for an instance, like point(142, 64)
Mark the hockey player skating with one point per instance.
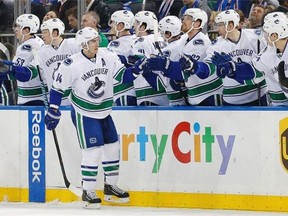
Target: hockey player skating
point(29, 91)
point(90, 74)
point(121, 22)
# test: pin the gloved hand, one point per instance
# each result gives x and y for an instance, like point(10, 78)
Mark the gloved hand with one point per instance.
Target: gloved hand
point(225, 65)
point(158, 63)
point(187, 63)
point(6, 66)
point(52, 118)
point(139, 66)
point(123, 59)
point(132, 59)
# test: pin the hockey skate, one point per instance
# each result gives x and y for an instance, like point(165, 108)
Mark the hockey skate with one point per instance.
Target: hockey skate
point(90, 199)
point(114, 194)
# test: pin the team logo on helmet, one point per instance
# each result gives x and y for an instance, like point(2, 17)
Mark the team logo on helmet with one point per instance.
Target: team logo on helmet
point(96, 89)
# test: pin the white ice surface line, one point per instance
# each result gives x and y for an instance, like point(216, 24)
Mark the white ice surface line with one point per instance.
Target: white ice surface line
point(73, 209)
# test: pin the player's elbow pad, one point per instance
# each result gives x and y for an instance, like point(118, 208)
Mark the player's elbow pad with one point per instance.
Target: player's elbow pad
point(202, 70)
point(55, 98)
point(22, 74)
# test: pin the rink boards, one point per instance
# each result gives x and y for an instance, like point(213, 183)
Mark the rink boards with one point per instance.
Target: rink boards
point(215, 158)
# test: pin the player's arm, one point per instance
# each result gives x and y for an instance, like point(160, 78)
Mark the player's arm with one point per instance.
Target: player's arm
point(10, 71)
point(60, 84)
point(242, 72)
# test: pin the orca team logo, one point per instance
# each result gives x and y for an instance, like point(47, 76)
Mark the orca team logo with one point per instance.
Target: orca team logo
point(283, 137)
point(96, 89)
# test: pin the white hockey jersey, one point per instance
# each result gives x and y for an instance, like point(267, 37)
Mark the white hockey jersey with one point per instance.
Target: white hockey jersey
point(267, 62)
point(30, 90)
point(123, 46)
point(199, 89)
point(245, 49)
point(144, 92)
point(91, 82)
point(49, 59)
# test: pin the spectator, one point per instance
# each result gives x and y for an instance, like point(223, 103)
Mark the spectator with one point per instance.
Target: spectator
point(72, 17)
point(38, 9)
point(256, 17)
point(283, 7)
point(92, 19)
point(50, 15)
point(62, 12)
point(6, 17)
point(102, 9)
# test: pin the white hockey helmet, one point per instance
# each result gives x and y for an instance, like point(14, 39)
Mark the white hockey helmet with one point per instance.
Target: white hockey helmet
point(170, 24)
point(28, 20)
point(123, 16)
point(146, 17)
point(274, 15)
point(277, 25)
point(227, 16)
point(197, 14)
point(52, 24)
point(86, 34)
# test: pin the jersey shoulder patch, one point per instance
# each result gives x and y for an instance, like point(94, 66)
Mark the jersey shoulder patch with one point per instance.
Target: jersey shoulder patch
point(139, 40)
point(26, 47)
point(68, 61)
point(257, 31)
point(114, 44)
point(198, 42)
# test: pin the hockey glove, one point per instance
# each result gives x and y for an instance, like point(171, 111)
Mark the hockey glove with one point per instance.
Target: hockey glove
point(225, 65)
point(132, 59)
point(123, 59)
point(52, 118)
point(158, 63)
point(187, 63)
point(6, 66)
point(139, 66)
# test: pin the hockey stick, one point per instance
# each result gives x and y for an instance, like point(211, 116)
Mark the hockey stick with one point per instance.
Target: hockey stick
point(283, 80)
point(68, 185)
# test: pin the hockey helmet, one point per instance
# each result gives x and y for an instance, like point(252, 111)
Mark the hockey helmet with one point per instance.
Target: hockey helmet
point(170, 24)
point(197, 14)
point(277, 25)
point(52, 24)
point(227, 16)
point(86, 34)
point(28, 20)
point(146, 17)
point(123, 16)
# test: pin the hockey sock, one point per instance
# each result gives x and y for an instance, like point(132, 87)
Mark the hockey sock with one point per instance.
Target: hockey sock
point(89, 167)
point(110, 162)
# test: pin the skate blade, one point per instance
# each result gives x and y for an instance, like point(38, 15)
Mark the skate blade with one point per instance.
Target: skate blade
point(114, 199)
point(87, 205)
